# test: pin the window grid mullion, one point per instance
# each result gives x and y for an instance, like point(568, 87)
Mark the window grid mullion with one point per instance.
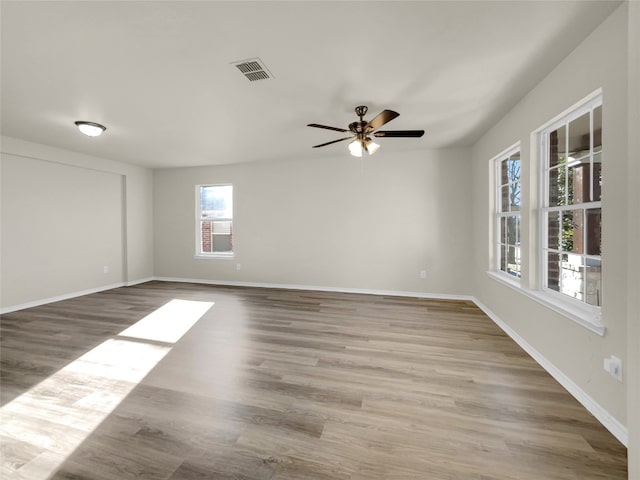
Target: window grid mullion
point(578, 281)
point(507, 215)
point(566, 163)
point(578, 206)
point(584, 252)
point(591, 140)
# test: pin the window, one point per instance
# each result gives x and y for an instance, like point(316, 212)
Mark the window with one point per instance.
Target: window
point(571, 213)
point(215, 220)
point(507, 219)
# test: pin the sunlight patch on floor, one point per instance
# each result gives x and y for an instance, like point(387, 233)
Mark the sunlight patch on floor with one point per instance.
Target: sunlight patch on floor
point(53, 418)
point(169, 323)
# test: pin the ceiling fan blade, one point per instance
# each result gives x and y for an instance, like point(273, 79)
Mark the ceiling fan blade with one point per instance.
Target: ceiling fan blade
point(380, 119)
point(334, 141)
point(399, 133)
point(317, 125)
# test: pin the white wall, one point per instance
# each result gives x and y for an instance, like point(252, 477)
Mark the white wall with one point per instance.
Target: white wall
point(633, 290)
point(369, 224)
point(65, 216)
point(600, 61)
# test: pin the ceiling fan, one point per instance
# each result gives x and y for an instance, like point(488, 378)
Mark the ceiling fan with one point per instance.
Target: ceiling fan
point(362, 130)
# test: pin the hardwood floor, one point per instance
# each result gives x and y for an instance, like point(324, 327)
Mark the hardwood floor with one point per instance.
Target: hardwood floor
point(283, 384)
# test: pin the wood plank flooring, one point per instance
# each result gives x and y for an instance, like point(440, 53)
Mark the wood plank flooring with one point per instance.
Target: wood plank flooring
point(283, 384)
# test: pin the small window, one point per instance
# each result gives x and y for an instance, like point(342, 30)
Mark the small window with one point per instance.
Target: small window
point(571, 206)
point(215, 220)
point(507, 218)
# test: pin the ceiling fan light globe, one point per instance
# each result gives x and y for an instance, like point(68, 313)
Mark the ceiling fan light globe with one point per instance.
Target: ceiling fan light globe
point(355, 148)
point(372, 147)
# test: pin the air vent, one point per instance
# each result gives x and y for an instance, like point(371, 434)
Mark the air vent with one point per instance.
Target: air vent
point(254, 69)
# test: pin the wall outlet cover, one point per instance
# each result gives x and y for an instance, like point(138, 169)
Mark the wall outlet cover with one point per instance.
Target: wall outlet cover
point(613, 365)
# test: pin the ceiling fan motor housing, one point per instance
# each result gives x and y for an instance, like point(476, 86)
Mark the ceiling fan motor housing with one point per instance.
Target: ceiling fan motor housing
point(358, 127)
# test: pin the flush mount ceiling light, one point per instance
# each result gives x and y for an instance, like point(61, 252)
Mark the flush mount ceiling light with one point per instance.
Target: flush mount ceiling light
point(90, 129)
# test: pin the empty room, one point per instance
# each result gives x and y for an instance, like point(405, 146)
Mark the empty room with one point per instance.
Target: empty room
point(320, 240)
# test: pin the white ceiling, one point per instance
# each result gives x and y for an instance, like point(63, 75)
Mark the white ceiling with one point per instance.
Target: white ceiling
point(159, 74)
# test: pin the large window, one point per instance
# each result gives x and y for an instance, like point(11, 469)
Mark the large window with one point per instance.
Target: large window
point(214, 220)
point(507, 219)
point(571, 213)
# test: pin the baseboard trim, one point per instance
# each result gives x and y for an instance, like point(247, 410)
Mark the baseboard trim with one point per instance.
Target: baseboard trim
point(67, 296)
point(58, 298)
point(616, 428)
point(138, 282)
point(364, 291)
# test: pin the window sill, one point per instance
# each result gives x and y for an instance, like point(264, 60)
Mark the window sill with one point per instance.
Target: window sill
point(586, 316)
point(214, 256)
point(510, 280)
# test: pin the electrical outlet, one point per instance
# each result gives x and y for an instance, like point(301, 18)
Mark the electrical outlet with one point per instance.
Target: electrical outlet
point(613, 366)
point(238, 266)
point(423, 274)
point(105, 269)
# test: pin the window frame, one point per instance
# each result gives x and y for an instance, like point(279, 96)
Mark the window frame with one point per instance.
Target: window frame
point(198, 223)
point(499, 214)
point(579, 310)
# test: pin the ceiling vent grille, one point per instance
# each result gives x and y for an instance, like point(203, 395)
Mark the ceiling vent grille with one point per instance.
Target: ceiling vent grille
point(254, 69)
